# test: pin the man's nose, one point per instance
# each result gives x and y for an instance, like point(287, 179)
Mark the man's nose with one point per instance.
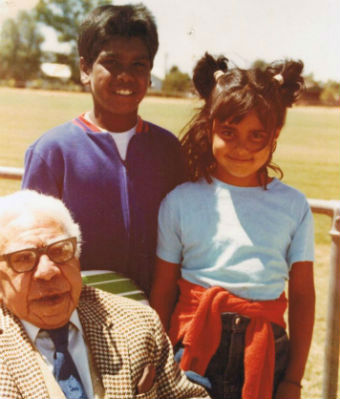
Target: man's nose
point(46, 268)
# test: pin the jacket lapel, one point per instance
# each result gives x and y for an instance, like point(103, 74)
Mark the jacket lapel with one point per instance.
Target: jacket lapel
point(108, 348)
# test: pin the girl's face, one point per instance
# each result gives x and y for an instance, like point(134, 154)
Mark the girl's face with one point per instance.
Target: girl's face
point(240, 150)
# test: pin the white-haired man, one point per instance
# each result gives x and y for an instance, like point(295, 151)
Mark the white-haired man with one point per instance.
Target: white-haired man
point(114, 347)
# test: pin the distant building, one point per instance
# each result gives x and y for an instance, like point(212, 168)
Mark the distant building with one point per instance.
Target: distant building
point(55, 70)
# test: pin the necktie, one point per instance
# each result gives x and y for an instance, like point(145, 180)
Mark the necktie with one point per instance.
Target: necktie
point(64, 369)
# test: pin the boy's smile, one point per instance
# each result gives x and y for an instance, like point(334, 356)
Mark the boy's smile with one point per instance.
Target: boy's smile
point(118, 79)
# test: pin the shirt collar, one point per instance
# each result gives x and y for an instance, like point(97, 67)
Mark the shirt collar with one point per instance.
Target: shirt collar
point(33, 331)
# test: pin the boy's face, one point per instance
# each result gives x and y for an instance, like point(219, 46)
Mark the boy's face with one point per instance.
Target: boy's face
point(118, 79)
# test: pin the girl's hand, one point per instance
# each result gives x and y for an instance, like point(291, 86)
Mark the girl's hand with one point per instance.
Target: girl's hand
point(288, 390)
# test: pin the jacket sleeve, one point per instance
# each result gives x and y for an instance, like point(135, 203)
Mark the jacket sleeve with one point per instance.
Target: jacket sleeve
point(41, 175)
point(8, 388)
point(171, 382)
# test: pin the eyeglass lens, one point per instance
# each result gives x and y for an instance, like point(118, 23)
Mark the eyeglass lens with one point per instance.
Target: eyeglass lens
point(27, 259)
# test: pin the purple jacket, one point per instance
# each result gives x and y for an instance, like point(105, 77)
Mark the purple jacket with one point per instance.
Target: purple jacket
point(115, 202)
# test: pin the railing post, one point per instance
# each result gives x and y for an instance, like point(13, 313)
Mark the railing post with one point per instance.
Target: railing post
point(331, 359)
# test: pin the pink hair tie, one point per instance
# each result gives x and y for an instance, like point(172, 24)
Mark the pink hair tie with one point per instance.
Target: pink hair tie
point(218, 74)
point(279, 78)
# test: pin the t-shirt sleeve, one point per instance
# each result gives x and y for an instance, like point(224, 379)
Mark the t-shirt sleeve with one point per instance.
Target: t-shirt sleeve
point(38, 175)
point(302, 244)
point(169, 244)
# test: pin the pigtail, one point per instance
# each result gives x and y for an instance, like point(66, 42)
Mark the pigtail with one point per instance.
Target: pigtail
point(203, 75)
point(288, 76)
point(196, 138)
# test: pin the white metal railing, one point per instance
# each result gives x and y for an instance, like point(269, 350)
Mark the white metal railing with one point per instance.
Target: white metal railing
point(8, 172)
point(332, 342)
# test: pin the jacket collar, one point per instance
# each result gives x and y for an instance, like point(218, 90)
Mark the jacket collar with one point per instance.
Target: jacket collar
point(89, 127)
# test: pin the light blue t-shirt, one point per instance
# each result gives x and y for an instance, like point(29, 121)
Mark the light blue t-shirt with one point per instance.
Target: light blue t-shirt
point(244, 239)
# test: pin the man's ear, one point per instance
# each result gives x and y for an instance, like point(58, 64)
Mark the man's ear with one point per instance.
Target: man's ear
point(85, 71)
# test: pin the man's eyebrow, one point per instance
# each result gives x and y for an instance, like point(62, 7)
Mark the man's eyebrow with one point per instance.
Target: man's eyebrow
point(44, 243)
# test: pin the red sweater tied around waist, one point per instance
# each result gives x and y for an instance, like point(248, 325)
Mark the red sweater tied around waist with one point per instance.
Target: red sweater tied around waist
point(196, 322)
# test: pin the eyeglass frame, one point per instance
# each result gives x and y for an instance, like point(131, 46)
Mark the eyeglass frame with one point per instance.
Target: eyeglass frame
point(39, 251)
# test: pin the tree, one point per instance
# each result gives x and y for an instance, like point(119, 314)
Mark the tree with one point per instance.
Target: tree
point(176, 81)
point(330, 94)
point(260, 64)
point(311, 93)
point(20, 48)
point(65, 17)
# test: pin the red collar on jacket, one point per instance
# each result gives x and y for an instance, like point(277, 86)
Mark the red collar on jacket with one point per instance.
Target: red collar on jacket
point(82, 122)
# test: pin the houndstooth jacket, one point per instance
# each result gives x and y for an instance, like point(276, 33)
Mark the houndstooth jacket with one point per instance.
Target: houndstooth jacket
point(123, 337)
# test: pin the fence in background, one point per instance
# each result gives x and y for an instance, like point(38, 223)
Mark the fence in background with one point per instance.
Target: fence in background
point(7, 172)
point(332, 343)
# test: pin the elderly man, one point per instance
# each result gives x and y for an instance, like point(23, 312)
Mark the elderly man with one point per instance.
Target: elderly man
point(59, 339)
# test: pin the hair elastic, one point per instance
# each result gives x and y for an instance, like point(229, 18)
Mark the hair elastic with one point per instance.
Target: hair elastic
point(218, 74)
point(279, 78)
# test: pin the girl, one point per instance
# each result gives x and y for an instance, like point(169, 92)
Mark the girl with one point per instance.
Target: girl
point(235, 235)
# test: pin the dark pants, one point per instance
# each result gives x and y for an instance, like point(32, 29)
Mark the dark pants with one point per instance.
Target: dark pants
point(225, 373)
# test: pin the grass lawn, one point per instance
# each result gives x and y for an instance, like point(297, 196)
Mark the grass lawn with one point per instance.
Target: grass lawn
point(308, 153)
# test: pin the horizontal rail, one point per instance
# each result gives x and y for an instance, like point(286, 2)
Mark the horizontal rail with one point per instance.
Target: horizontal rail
point(8, 172)
point(331, 357)
point(327, 207)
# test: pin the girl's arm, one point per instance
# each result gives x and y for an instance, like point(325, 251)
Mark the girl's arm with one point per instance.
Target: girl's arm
point(163, 294)
point(301, 297)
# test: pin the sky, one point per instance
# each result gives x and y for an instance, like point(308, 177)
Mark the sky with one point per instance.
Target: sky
point(242, 30)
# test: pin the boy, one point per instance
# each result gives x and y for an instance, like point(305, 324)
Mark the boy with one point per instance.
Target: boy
point(109, 166)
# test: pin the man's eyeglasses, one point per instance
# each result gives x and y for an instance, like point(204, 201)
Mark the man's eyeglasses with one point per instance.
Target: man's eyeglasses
point(26, 260)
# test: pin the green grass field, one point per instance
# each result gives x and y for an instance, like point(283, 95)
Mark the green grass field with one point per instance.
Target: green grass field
point(308, 153)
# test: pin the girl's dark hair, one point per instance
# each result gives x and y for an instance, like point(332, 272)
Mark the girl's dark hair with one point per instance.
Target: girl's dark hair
point(107, 21)
point(231, 94)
